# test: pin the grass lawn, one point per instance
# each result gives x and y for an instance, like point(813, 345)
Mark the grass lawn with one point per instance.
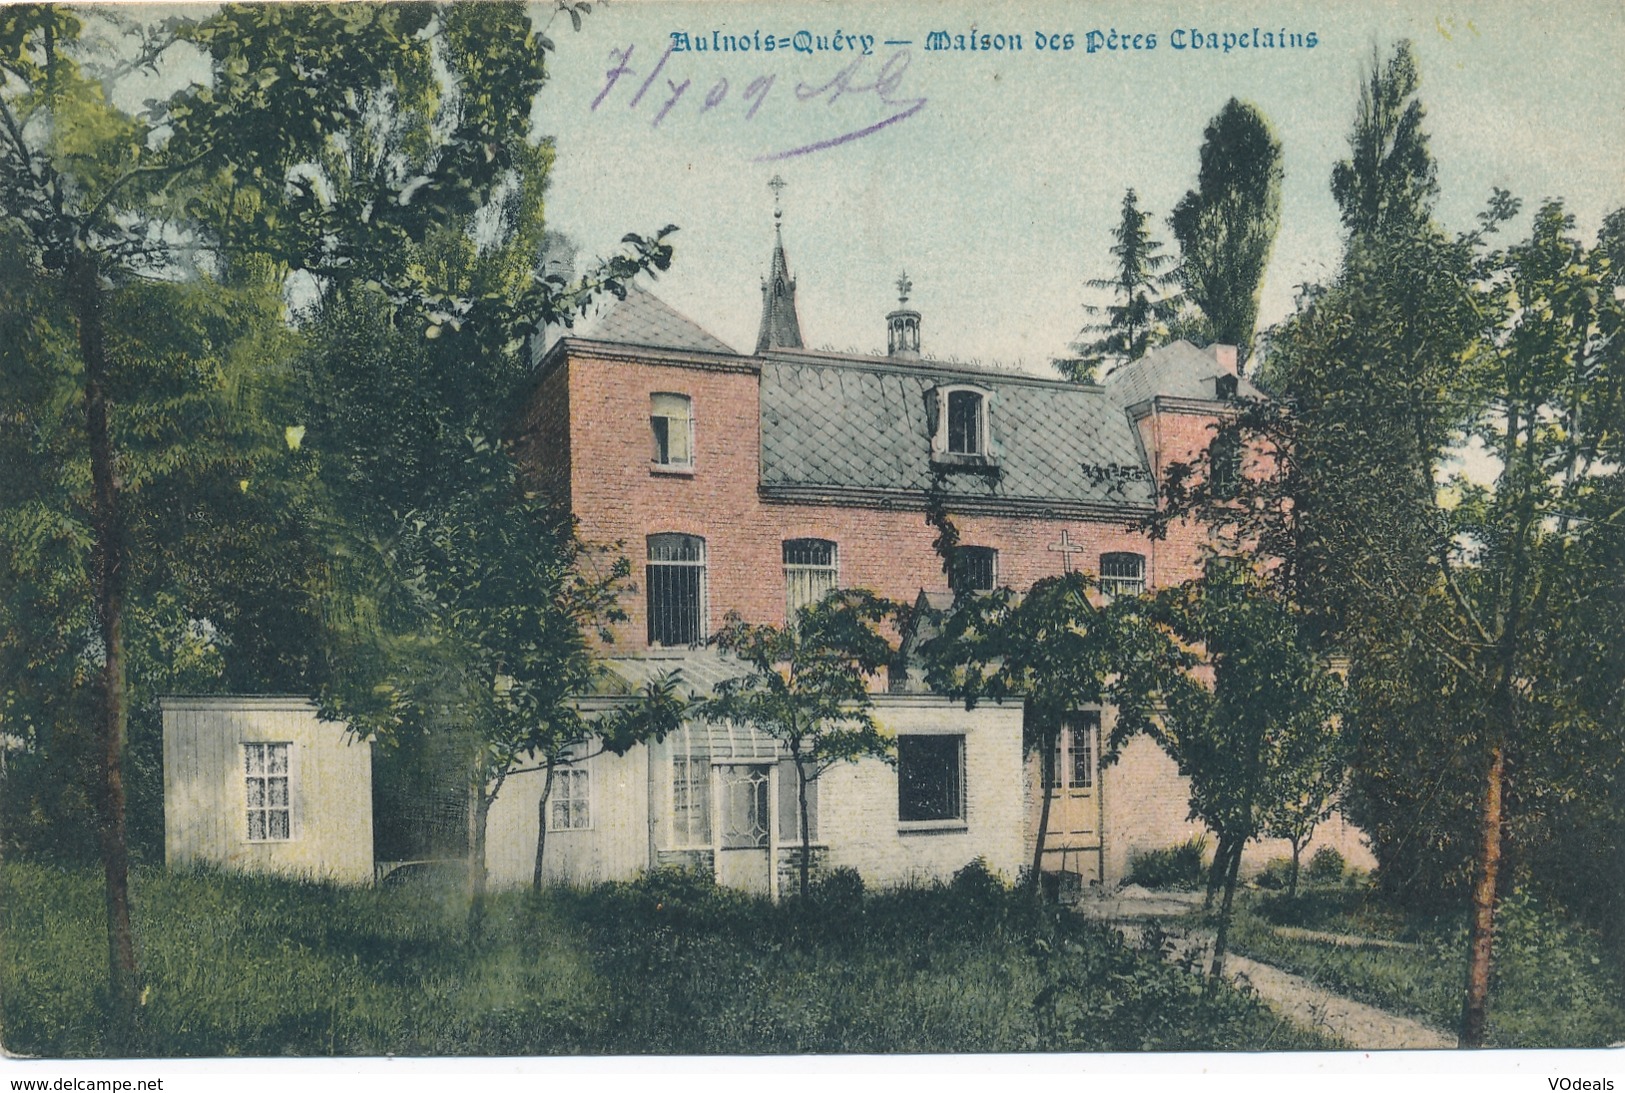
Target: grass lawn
point(237, 965)
point(1553, 985)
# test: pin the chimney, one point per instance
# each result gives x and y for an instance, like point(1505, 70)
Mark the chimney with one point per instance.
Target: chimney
point(903, 325)
point(1226, 356)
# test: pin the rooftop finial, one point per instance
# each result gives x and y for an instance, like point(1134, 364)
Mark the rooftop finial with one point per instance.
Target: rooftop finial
point(904, 287)
point(777, 185)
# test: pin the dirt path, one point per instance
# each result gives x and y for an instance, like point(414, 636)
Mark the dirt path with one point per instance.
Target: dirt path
point(1295, 997)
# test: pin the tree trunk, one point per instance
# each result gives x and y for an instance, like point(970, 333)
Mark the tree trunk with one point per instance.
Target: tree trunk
point(1222, 939)
point(1297, 854)
point(1035, 877)
point(541, 829)
point(479, 808)
point(1475, 1008)
point(806, 831)
point(1217, 871)
point(107, 578)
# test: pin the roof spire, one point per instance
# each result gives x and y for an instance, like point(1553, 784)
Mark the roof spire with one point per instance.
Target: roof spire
point(903, 325)
point(780, 327)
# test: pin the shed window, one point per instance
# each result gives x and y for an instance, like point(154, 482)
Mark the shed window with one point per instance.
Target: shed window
point(676, 583)
point(1122, 574)
point(267, 779)
point(672, 421)
point(571, 807)
point(809, 573)
point(930, 777)
point(965, 423)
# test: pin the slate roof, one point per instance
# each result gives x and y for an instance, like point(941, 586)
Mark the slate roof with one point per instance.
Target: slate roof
point(1176, 370)
point(644, 319)
point(846, 424)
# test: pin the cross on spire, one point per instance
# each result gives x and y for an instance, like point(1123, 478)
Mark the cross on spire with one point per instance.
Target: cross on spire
point(777, 185)
point(904, 287)
point(1066, 548)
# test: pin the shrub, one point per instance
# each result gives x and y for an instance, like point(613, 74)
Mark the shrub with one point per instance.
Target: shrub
point(975, 881)
point(842, 887)
point(1276, 875)
point(1326, 866)
point(1170, 867)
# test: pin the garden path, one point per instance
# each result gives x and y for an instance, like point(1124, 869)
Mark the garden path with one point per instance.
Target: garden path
point(1295, 997)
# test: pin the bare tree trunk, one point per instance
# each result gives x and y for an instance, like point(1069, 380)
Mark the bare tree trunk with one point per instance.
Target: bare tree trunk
point(806, 832)
point(1475, 1008)
point(1221, 940)
point(479, 808)
point(1297, 855)
point(1046, 758)
point(1218, 871)
point(107, 577)
point(541, 829)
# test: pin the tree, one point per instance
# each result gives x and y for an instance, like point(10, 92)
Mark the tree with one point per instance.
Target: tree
point(1226, 226)
point(220, 179)
point(1135, 323)
point(809, 687)
point(1388, 184)
point(1249, 724)
point(1059, 652)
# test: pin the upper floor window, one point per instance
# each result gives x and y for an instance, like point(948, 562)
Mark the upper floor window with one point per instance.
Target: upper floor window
point(978, 568)
point(1122, 574)
point(676, 584)
point(809, 573)
point(961, 429)
point(671, 419)
point(1224, 464)
point(267, 782)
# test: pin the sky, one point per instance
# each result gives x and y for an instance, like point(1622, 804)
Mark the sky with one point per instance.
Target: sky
point(995, 178)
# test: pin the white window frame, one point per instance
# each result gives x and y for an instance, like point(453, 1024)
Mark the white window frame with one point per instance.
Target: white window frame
point(682, 426)
point(262, 772)
point(575, 803)
point(808, 573)
point(703, 593)
point(961, 790)
point(690, 754)
point(939, 438)
point(1064, 774)
point(1118, 584)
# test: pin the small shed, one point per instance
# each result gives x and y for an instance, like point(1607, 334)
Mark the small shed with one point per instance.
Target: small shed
point(262, 785)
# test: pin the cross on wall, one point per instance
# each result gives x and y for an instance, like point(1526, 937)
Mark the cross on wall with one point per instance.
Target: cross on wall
point(1066, 548)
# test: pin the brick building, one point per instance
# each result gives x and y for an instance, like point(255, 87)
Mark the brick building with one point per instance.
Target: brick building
point(757, 482)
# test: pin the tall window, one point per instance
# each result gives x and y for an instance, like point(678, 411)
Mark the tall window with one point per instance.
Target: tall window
point(268, 785)
point(1224, 463)
point(690, 791)
point(570, 808)
point(672, 421)
point(978, 568)
point(809, 573)
point(1073, 764)
point(1122, 574)
point(676, 589)
point(930, 777)
point(965, 422)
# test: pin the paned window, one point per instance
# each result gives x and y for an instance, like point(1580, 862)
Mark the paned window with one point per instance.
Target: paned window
point(672, 421)
point(676, 590)
point(267, 780)
point(1122, 574)
point(790, 804)
point(1072, 765)
point(965, 422)
point(978, 568)
point(570, 808)
point(1224, 462)
point(930, 778)
point(809, 573)
point(690, 791)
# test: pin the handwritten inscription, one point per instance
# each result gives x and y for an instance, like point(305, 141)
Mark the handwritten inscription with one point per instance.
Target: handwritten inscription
point(665, 88)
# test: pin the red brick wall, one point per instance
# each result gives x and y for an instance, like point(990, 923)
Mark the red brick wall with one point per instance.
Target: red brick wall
point(619, 497)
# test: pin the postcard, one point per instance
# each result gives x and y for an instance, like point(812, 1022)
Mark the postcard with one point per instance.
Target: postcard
point(1056, 534)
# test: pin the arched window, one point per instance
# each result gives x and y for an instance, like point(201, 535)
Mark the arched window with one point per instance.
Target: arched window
point(671, 419)
point(809, 573)
point(961, 436)
point(676, 584)
point(1122, 573)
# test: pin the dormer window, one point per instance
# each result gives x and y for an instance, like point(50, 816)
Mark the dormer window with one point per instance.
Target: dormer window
point(961, 437)
point(671, 420)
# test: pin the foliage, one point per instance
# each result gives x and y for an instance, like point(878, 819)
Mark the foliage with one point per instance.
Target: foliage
point(1226, 226)
point(1135, 323)
point(1058, 652)
point(1326, 865)
point(1388, 185)
point(259, 966)
point(1181, 866)
point(808, 686)
point(1277, 874)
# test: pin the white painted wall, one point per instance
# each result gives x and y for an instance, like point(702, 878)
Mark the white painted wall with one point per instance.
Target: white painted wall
point(205, 804)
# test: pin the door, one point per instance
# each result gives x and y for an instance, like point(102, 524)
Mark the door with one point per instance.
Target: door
point(1073, 777)
point(746, 833)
